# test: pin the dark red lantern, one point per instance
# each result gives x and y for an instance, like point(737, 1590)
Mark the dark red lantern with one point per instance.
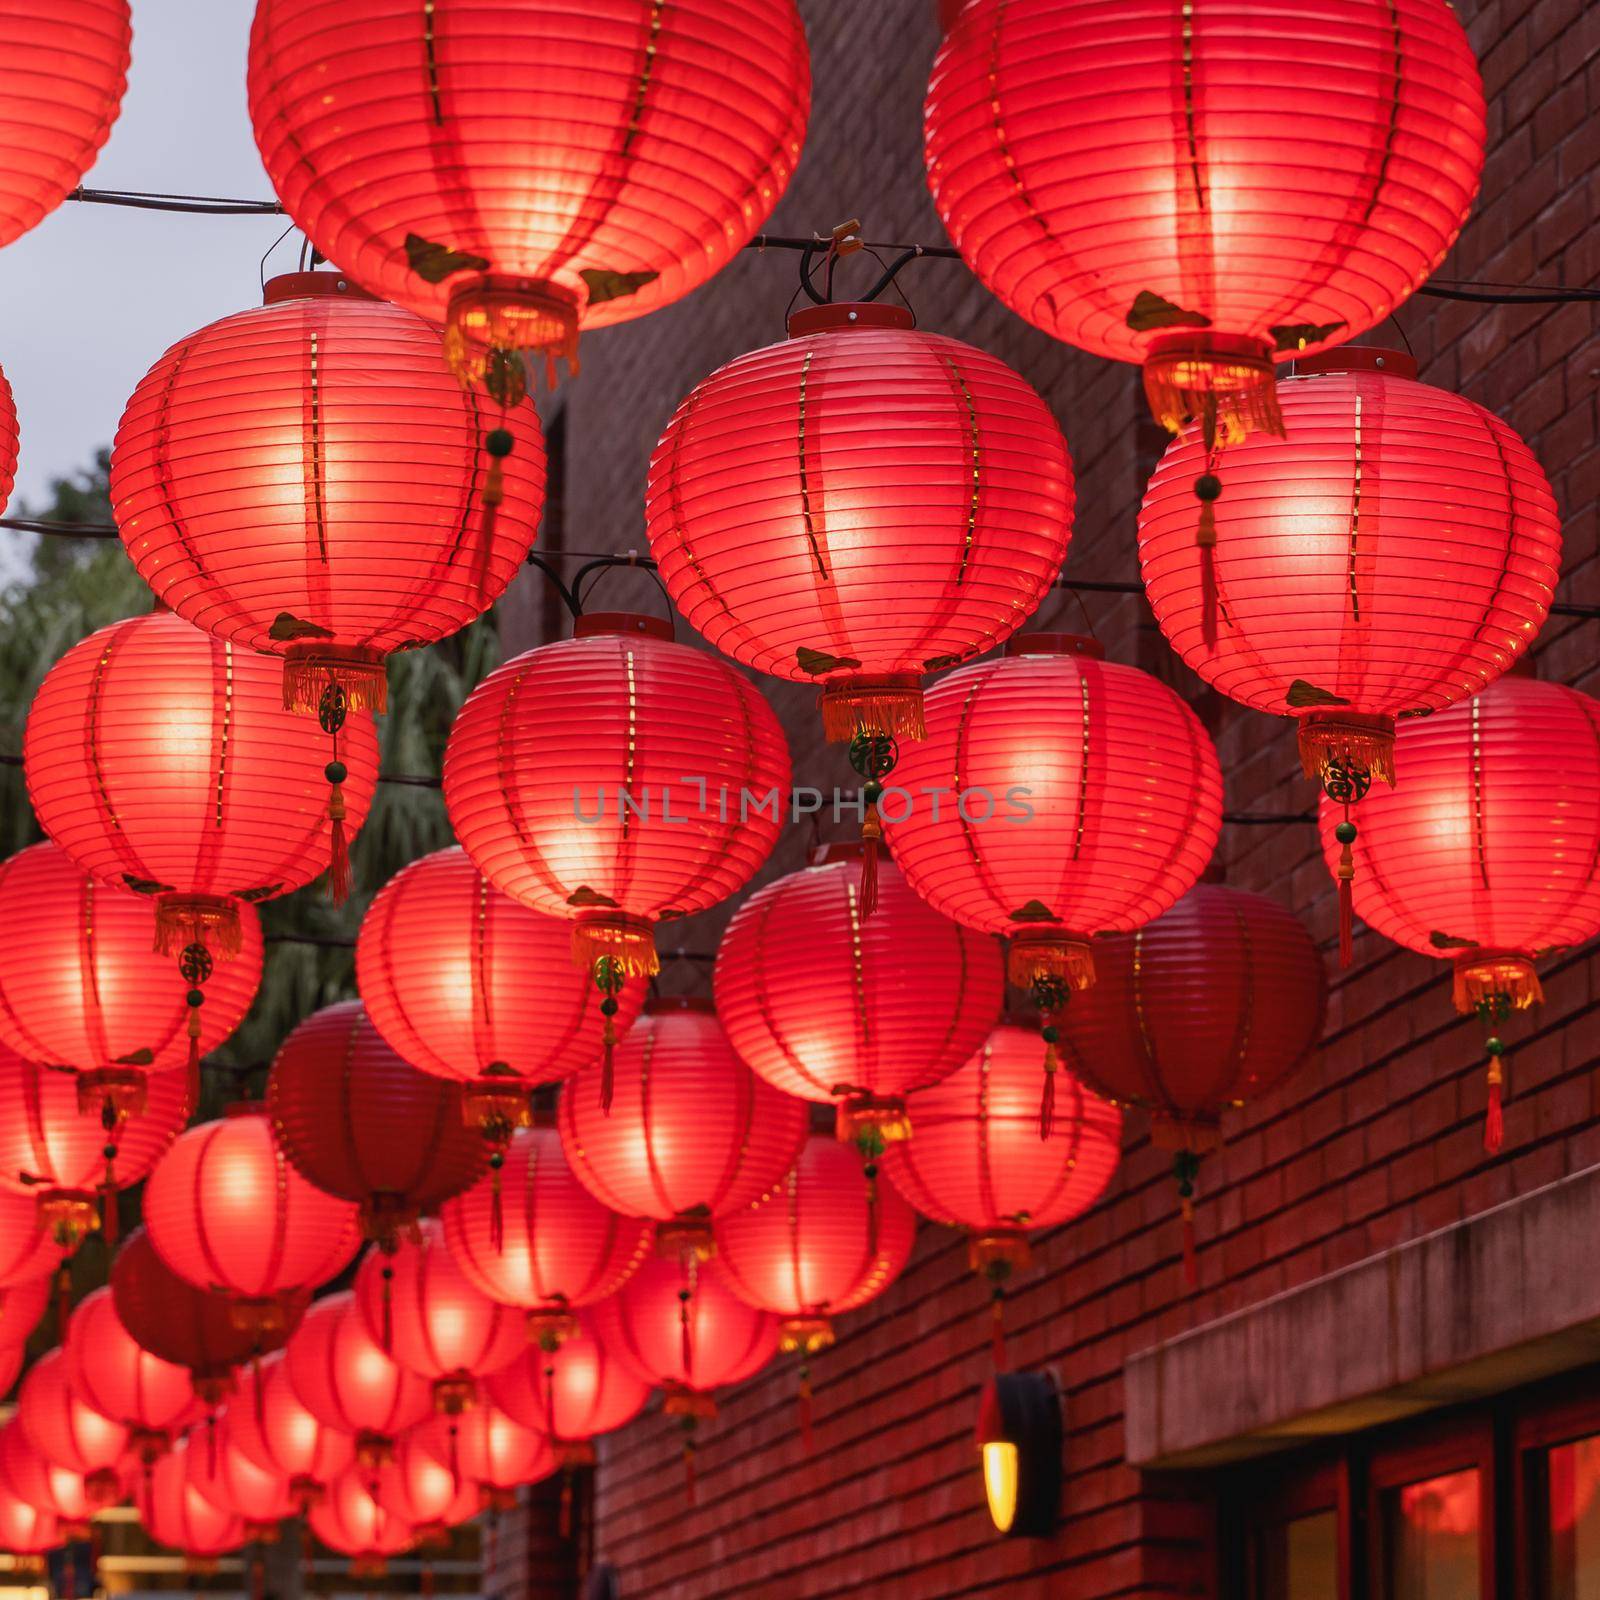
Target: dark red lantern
point(490, 1451)
point(176, 1514)
point(306, 480)
point(831, 1007)
point(163, 760)
point(1259, 181)
point(269, 1425)
point(914, 505)
point(66, 68)
point(1483, 854)
point(690, 1135)
point(422, 1492)
point(349, 1518)
point(427, 1314)
point(554, 1247)
point(362, 1124)
point(25, 1530)
point(602, 162)
point(68, 1433)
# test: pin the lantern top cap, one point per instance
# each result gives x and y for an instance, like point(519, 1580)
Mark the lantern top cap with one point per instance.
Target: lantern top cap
point(848, 314)
point(304, 285)
point(1359, 358)
point(658, 1004)
point(835, 850)
point(1055, 644)
point(597, 623)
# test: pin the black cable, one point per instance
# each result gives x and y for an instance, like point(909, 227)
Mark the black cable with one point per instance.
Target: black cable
point(196, 204)
point(568, 598)
point(63, 530)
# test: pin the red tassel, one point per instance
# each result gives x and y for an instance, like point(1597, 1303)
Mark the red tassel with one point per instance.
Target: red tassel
point(339, 866)
point(997, 1328)
point(259, 1393)
point(1191, 1259)
point(1346, 922)
point(607, 1074)
point(1047, 1097)
point(63, 1302)
point(388, 1287)
point(871, 1171)
point(685, 1337)
point(258, 1578)
point(1206, 489)
point(871, 833)
point(194, 1038)
point(455, 1455)
point(426, 1585)
point(110, 1221)
point(497, 1217)
point(1494, 1123)
point(211, 1443)
point(804, 1403)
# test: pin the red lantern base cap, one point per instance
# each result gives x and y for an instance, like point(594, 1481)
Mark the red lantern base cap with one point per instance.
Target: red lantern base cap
point(1487, 975)
point(594, 624)
point(686, 1236)
point(1348, 737)
point(302, 285)
point(123, 1088)
point(1055, 644)
point(679, 1400)
point(998, 1252)
point(1198, 1134)
point(805, 1335)
point(211, 920)
point(848, 314)
point(1358, 358)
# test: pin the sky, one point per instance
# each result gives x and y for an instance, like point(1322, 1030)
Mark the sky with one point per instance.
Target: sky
point(92, 296)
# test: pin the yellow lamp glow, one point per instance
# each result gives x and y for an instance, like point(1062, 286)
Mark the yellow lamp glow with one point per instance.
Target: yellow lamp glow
point(1000, 1472)
point(1020, 1438)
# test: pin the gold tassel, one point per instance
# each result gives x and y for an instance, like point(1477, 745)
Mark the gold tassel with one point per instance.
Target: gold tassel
point(1230, 382)
point(1482, 975)
point(1348, 740)
point(361, 676)
point(204, 919)
point(881, 708)
point(1036, 954)
point(628, 941)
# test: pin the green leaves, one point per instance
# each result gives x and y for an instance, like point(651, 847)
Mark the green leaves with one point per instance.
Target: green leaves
point(145, 885)
point(1302, 694)
point(1445, 941)
point(817, 662)
point(583, 895)
point(1034, 911)
point(137, 1058)
point(286, 627)
point(1150, 312)
point(1297, 335)
point(607, 285)
point(433, 263)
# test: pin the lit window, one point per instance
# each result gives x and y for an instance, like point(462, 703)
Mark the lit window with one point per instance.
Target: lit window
point(1432, 1538)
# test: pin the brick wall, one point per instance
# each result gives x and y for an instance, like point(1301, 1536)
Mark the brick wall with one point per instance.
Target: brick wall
point(1377, 1141)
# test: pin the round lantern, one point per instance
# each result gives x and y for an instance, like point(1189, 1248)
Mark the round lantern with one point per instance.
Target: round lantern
point(12, 1360)
point(232, 1482)
point(176, 1514)
point(1083, 796)
point(163, 760)
point(1260, 182)
point(914, 505)
point(1483, 854)
point(978, 1162)
point(827, 1006)
point(66, 67)
point(26, 1474)
point(467, 983)
point(9, 441)
point(423, 1492)
point(343, 1378)
point(192, 1327)
point(662, 800)
point(270, 1426)
point(31, 1242)
point(26, 1531)
point(691, 1133)
point(349, 1518)
point(68, 1433)
point(602, 162)
point(425, 1312)
point(116, 1376)
point(306, 480)
point(550, 1246)
point(70, 1160)
point(22, 1306)
point(227, 1212)
point(572, 1394)
point(485, 1448)
point(362, 1124)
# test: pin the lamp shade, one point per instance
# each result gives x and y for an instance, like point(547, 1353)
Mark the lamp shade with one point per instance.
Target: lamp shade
point(603, 161)
point(306, 480)
point(860, 506)
point(573, 1393)
point(113, 1374)
point(176, 1514)
point(67, 1432)
point(275, 1431)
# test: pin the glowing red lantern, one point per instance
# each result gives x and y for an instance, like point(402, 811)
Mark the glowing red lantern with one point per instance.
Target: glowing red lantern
point(270, 1426)
point(691, 1134)
point(12, 1360)
point(426, 1313)
point(305, 480)
point(603, 162)
point(162, 759)
point(343, 1378)
point(113, 1374)
point(423, 1492)
point(26, 1474)
point(177, 1515)
point(66, 68)
point(1262, 182)
point(490, 1451)
point(68, 1433)
point(467, 983)
point(349, 1518)
point(827, 1006)
point(915, 505)
point(362, 1124)
point(232, 1482)
point(9, 441)
point(25, 1530)
point(30, 1247)
point(978, 1162)
point(21, 1307)
point(226, 1211)
point(554, 1247)
point(1483, 854)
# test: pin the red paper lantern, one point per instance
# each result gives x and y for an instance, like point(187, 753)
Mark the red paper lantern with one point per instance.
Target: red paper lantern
point(163, 760)
point(572, 1394)
point(66, 68)
point(603, 161)
point(423, 1492)
point(177, 1515)
point(827, 1006)
point(9, 441)
point(691, 1133)
point(490, 1451)
point(555, 1246)
point(351, 1520)
point(914, 505)
point(30, 1246)
point(113, 1374)
point(70, 1160)
point(1256, 182)
point(192, 1327)
point(362, 1124)
point(25, 1530)
point(1483, 854)
point(68, 1433)
point(662, 801)
point(426, 1313)
point(27, 1475)
point(343, 1378)
point(466, 983)
point(22, 1305)
point(232, 1482)
point(12, 1360)
point(306, 480)
point(270, 1426)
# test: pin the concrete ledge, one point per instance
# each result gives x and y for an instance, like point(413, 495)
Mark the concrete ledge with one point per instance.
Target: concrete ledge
point(1499, 1299)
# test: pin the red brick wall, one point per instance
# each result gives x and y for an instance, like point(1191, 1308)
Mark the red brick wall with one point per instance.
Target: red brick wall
point(1377, 1141)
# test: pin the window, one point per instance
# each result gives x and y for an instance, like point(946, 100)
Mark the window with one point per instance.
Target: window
point(1558, 1508)
point(1297, 1538)
point(1431, 1511)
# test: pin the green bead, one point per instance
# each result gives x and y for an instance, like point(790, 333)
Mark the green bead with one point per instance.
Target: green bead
point(609, 1007)
point(685, 1295)
point(497, 1160)
point(872, 792)
point(1050, 1035)
point(870, 1170)
point(335, 772)
point(1494, 1046)
point(195, 998)
point(499, 442)
point(1345, 833)
point(109, 1153)
point(1208, 487)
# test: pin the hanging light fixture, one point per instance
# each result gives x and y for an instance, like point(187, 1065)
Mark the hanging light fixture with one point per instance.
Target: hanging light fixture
point(270, 1426)
point(1020, 1440)
point(68, 1433)
point(177, 1515)
point(350, 1519)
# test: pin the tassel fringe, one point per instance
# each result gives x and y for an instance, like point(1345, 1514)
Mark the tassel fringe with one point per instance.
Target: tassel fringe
point(1494, 1123)
point(1229, 383)
point(1334, 739)
point(1038, 955)
point(494, 320)
point(363, 676)
point(203, 919)
point(628, 941)
point(1486, 975)
point(884, 708)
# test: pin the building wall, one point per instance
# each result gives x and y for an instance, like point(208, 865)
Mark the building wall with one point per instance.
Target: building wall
point(1377, 1141)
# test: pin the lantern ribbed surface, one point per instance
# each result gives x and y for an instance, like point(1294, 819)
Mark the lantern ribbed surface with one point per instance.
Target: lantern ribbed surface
point(227, 1211)
point(279, 1434)
point(464, 981)
point(692, 1133)
point(21, 1306)
point(488, 1448)
point(61, 87)
point(825, 1004)
point(602, 160)
point(9, 441)
point(350, 1520)
point(601, 778)
point(25, 1473)
point(28, 1246)
point(561, 1248)
point(162, 759)
point(113, 1373)
point(573, 1393)
point(25, 1530)
point(863, 500)
point(307, 480)
point(1208, 1006)
point(422, 1491)
point(176, 1514)
point(232, 1482)
point(342, 1377)
point(1146, 182)
point(81, 982)
point(62, 1427)
point(362, 1124)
